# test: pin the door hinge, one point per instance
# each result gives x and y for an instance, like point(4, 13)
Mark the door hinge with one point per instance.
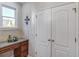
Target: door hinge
point(75, 40)
point(36, 34)
point(36, 53)
point(75, 10)
point(36, 16)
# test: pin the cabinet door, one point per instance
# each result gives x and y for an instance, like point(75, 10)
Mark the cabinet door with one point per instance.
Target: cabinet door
point(63, 31)
point(43, 46)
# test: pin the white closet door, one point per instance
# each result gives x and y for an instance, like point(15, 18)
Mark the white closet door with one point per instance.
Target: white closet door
point(63, 31)
point(43, 46)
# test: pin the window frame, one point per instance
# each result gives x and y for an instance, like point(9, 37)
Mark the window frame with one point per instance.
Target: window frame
point(6, 6)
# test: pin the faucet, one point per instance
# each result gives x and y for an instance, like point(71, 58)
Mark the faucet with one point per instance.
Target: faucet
point(9, 38)
point(12, 39)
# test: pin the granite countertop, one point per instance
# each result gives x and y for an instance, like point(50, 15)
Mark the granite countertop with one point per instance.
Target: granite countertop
point(5, 43)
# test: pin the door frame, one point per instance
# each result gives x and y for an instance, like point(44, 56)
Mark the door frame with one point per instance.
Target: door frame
point(77, 32)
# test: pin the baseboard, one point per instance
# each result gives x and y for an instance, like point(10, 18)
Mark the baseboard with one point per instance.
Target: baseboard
point(29, 56)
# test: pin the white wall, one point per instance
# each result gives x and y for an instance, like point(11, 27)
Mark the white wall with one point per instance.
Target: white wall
point(28, 9)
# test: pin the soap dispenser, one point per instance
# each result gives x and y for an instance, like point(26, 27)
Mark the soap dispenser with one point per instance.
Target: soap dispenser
point(9, 38)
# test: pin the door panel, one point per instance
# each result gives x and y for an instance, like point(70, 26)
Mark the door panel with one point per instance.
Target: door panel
point(61, 53)
point(61, 28)
point(63, 31)
point(43, 33)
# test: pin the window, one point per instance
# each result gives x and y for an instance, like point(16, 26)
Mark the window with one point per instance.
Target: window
point(8, 17)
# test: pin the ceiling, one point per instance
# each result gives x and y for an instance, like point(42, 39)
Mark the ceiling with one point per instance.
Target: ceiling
point(21, 3)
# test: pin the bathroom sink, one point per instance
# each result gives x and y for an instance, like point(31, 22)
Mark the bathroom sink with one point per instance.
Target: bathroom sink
point(12, 39)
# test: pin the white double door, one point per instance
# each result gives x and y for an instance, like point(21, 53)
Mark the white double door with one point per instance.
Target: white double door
point(56, 32)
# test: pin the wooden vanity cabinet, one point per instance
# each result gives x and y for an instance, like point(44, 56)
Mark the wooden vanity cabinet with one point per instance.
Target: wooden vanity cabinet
point(22, 50)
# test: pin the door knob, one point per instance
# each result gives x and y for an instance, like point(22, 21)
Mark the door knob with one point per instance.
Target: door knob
point(53, 40)
point(49, 39)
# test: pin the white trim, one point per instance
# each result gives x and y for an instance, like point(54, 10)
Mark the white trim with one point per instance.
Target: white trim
point(29, 56)
point(77, 50)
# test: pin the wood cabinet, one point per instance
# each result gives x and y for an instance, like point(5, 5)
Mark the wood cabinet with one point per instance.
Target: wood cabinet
point(20, 49)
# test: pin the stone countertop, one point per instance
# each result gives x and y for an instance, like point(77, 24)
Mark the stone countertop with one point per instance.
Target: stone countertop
point(5, 43)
